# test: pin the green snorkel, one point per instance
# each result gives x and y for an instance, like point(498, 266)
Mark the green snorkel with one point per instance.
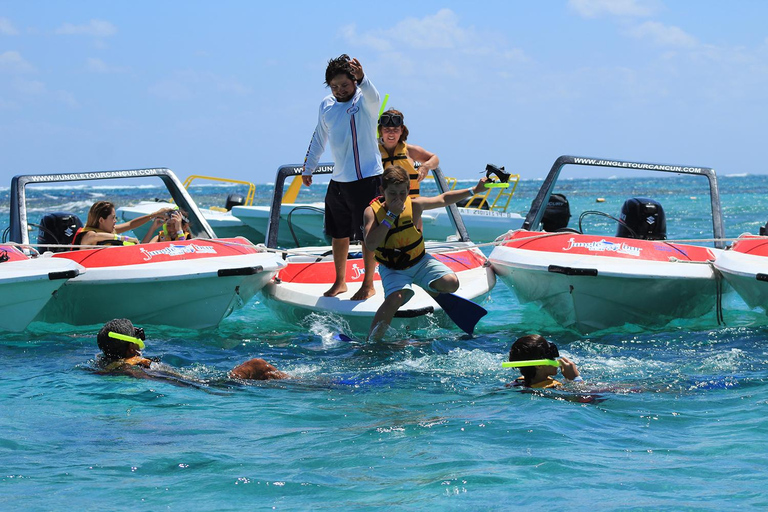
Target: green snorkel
point(129, 339)
point(530, 362)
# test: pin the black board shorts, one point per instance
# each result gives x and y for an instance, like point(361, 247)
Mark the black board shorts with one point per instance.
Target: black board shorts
point(345, 203)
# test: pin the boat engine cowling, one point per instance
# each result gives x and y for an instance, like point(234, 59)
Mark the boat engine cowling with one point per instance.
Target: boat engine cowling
point(234, 200)
point(643, 218)
point(557, 213)
point(57, 228)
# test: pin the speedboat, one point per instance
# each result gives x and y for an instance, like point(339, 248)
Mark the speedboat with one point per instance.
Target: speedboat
point(220, 218)
point(27, 284)
point(193, 283)
point(745, 266)
point(594, 281)
point(297, 290)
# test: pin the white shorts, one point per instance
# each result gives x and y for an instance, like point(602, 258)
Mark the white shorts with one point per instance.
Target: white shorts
point(424, 273)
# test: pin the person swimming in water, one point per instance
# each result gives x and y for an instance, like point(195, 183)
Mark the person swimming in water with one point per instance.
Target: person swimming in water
point(121, 344)
point(536, 347)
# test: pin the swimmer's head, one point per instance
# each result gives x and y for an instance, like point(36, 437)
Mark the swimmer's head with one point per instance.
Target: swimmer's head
point(532, 346)
point(119, 339)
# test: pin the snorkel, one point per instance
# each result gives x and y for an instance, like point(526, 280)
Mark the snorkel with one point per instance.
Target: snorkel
point(129, 339)
point(530, 362)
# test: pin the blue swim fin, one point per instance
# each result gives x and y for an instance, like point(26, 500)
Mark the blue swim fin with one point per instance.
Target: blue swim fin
point(464, 313)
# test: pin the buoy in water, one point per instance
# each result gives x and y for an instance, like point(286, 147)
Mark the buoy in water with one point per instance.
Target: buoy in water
point(600, 200)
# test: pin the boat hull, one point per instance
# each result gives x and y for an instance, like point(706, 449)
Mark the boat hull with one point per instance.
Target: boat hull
point(482, 225)
point(590, 283)
point(745, 267)
point(27, 285)
point(297, 291)
point(193, 284)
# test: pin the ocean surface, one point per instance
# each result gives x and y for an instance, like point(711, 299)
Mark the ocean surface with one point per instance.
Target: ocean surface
point(670, 419)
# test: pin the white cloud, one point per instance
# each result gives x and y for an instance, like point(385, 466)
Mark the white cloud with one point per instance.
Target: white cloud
point(440, 31)
point(625, 8)
point(95, 28)
point(99, 66)
point(664, 35)
point(7, 28)
point(13, 62)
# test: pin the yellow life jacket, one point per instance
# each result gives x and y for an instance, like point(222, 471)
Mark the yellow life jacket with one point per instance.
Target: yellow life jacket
point(404, 245)
point(80, 233)
point(163, 235)
point(400, 157)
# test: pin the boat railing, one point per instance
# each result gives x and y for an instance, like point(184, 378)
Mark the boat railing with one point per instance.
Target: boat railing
point(481, 200)
point(539, 204)
point(295, 170)
point(19, 228)
point(251, 187)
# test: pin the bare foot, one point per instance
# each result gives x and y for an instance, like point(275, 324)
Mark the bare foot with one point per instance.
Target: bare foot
point(363, 293)
point(336, 289)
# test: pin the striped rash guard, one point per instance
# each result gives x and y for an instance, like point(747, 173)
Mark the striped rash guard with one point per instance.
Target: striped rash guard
point(351, 127)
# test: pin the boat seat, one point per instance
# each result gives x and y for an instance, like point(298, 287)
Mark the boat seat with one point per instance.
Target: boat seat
point(642, 218)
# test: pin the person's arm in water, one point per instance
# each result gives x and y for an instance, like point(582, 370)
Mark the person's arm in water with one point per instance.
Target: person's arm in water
point(569, 370)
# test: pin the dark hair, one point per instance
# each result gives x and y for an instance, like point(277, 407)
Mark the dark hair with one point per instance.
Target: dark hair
point(404, 135)
point(394, 175)
point(338, 66)
point(531, 346)
point(99, 210)
point(112, 348)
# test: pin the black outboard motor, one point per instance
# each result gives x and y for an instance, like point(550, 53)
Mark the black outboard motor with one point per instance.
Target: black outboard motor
point(234, 199)
point(643, 218)
point(57, 228)
point(557, 213)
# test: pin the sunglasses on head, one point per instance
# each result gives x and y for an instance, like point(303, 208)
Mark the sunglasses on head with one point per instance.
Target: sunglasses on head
point(393, 120)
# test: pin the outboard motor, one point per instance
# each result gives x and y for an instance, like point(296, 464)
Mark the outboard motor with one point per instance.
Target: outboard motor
point(57, 228)
point(557, 213)
point(234, 199)
point(643, 218)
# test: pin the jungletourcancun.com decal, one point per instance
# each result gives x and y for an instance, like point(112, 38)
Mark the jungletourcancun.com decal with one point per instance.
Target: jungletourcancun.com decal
point(604, 246)
point(178, 250)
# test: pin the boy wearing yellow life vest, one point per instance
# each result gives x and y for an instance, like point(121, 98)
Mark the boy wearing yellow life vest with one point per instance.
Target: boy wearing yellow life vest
point(389, 226)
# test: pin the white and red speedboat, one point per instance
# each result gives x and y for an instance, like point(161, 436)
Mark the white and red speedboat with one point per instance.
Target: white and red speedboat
point(193, 283)
point(590, 282)
point(27, 284)
point(745, 266)
point(297, 290)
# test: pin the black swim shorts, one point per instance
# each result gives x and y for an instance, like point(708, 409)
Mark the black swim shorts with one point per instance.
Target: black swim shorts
point(345, 203)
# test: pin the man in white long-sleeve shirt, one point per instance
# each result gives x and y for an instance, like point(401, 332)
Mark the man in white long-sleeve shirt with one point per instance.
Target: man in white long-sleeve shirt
point(348, 118)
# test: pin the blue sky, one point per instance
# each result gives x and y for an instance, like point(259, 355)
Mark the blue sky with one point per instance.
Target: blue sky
point(232, 88)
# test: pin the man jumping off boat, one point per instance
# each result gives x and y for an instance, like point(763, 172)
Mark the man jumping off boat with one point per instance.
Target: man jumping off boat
point(348, 118)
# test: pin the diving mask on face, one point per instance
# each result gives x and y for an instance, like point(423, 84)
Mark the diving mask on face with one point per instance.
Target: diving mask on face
point(393, 120)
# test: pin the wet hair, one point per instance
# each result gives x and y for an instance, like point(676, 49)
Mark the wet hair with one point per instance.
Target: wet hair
point(394, 175)
point(531, 346)
point(112, 348)
point(339, 66)
point(99, 210)
point(404, 135)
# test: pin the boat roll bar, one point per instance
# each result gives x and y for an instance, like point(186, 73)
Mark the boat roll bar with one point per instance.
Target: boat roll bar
point(19, 234)
point(285, 171)
point(542, 198)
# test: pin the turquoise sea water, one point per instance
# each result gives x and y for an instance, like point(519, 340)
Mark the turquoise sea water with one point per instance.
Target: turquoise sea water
point(424, 423)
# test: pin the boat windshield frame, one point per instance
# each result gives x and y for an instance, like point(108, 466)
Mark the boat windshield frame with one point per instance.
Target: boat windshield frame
point(18, 214)
point(539, 203)
point(289, 170)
